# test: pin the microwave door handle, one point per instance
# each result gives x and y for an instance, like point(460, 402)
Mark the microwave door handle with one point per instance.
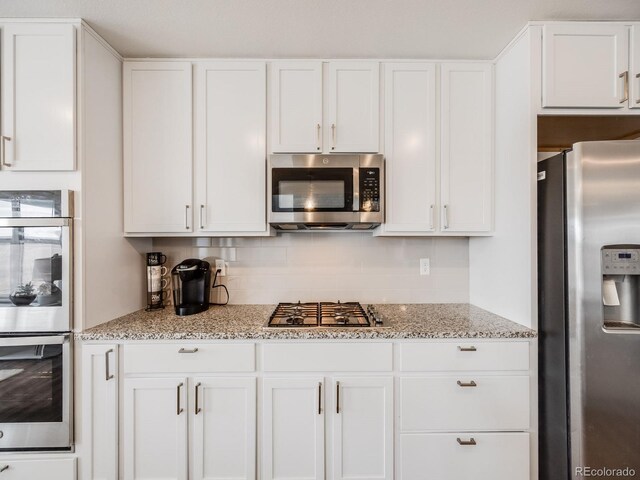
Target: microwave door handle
point(356, 189)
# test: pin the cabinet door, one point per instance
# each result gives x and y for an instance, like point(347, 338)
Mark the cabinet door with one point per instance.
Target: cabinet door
point(157, 147)
point(32, 469)
point(363, 428)
point(38, 97)
point(484, 456)
point(224, 437)
point(99, 412)
point(634, 70)
point(466, 163)
point(293, 428)
point(583, 65)
point(410, 147)
point(155, 428)
point(353, 107)
point(230, 146)
point(296, 107)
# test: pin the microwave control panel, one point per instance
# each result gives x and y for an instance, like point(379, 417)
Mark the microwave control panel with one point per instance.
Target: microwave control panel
point(369, 189)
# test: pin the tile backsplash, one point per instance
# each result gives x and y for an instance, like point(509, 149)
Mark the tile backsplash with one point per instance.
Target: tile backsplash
point(332, 266)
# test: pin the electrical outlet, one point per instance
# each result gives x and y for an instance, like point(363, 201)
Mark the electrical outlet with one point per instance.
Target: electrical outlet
point(425, 268)
point(222, 266)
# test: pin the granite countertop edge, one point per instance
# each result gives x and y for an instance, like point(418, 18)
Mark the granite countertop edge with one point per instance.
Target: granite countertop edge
point(246, 322)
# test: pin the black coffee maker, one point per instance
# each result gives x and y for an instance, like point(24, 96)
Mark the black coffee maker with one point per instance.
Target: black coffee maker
point(191, 286)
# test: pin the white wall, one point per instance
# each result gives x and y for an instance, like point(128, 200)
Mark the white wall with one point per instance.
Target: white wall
point(502, 275)
point(334, 266)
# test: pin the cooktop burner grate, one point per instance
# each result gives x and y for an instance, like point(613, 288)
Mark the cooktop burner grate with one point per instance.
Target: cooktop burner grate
point(323, 314)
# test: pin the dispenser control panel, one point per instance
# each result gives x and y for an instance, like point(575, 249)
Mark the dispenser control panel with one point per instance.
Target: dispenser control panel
point(620, 261)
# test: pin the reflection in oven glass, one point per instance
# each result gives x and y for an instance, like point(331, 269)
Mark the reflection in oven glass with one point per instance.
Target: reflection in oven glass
point(31, 383)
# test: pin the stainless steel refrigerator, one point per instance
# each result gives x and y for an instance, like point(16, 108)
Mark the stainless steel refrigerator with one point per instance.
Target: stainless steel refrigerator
point(589, 311)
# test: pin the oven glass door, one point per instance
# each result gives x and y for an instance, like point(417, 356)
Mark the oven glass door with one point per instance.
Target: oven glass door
point(34, 392)
point(312, 189)
point(34, 278)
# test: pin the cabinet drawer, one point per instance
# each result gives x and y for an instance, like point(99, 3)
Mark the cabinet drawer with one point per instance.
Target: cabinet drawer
point(328, 357)
point(447, 403)
point(465, 355)
point(495, 456)
point(189, 357)
point(52, 469)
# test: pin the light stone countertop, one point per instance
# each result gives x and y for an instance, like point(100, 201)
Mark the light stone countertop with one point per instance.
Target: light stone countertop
point(240, 322)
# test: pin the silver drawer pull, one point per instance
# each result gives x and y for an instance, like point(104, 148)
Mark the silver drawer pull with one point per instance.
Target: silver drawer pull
point(467, 384)
point(467, 349)
point(4, 468)
point(188, 350)
point(471, 441)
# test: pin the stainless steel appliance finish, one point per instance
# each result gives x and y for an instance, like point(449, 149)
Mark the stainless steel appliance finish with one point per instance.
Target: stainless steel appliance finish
point(325, 192)
point(35, 392)
point(323, 314)
point(35, 261)
point(588, 309)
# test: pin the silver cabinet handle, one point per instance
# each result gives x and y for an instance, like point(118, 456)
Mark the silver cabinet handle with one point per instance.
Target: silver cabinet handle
point(625, 75)
point(445, 220)
point(3, 154)
point(638, 77)
point(471, 441)
point(467, 384)
point(431, 217)
point(198, 409)
point(201, 217)
point(186, 216)
point(319, 398)
point(467, 349)
point(333, 136)
point(319, 147)
point(188, 350)
point(4, 468)
point(179, 409)
point(107, 375)
point(337, 397)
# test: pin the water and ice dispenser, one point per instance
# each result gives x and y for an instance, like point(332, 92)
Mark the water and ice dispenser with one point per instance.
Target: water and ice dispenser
point(621, 286)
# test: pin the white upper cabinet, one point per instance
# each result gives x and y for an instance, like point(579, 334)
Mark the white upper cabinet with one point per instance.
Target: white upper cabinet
point(157, 147)
point(410, 147)
point(224, 437)
point(296, 107)
point(38, 97)
point(350, 98)
point(352, 106)
point(466, 149)
point(634, 70)
point(585, 65)
point(363, 428)
point(293, 428)
point(230, 103)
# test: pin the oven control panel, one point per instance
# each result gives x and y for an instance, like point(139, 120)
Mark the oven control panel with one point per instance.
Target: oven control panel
point(369, 189)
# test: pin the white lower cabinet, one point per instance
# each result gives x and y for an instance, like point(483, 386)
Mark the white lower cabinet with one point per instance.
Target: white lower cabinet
point(363, 428)
point(223, 443)
point(28, 469)
point(360, 411)
point(159, 411)
point(457, 456)
point(155, 428)
point(293, 428)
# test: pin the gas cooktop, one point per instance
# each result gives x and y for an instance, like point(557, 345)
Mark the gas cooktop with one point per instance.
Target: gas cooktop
point(323, 314)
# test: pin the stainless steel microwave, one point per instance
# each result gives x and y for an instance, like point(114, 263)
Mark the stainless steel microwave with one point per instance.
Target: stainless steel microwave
point(325, 192)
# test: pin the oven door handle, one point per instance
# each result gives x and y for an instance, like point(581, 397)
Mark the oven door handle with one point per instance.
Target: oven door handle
point(48, 340)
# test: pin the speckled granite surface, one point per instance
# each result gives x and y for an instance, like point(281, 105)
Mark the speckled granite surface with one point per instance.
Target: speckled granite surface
point(247, 322)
